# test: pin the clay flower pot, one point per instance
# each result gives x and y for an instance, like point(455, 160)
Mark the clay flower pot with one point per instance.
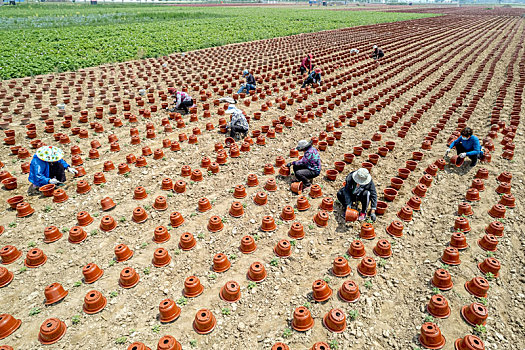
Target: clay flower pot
point(247, 245)
point(236, 210)
point(24, 209)
point(327, 204)
point(451, 256)
point(438, 306)
point(280, 346)
point(161, 257)
point(495, 228)
point(367, 267)
point(335, 321)
point(483, 174)
point(176, 219)
point(215, 224)
point(139, 215)
point(478, 286)
point(491, 265)
point(204, 322)
point(187, 241)
point(508, 200)
point(395, 229)
point(84, 219)
point(192, 287)
point(168, 342)
point(220, 263)
point(239, 192)
point(472, 195)
point(123, 253)
point(478, 184)
point(10, 183)
point(458, 241)
point(497, 211)
point(140, 193)
point(256, 272)
point(283, 248)
point(230, 292)
point(51, 331)
point(268, 224)
point(367, 231)
point(431, 337)
point(420, 190)
point(54, 293)
point(107, 223)
point(321, 218)
point(469, 342)
point(35, 258)
point(442, 280)
point(94, 302)
point(505, 177)
point(252, 180)
point(315, 191)
point(321, 291)
point(47, 190)
point(167, 184)
point(287, 213)
point(465, 209)
point(302, 319)
point(13, 201)
point(161, 234)
point(161, 203)
point(6, 276)
point(92, 273)
point(488, 243)
point(180, 186)
point(296, 231)
point(475, 314)
point(8, 325)
point(340, 267)
point(357, 249)
point(302, 203)
point(59, 196)
point(261, 198)
point(321, 345)
point(383, 249)
point(296, 187)
point(9, 254)
point(169, 311)
point(462, 224)
point(349, 292)
point(204, 205)
point(405, 214)
point(128, 278)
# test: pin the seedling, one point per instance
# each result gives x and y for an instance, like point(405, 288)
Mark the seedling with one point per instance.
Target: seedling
point(156, 329)
point(75, 319)
point(147, 207)
point(483, 301)
point(233, 256)
point(146, 271)
point(490, 254)
point(64, 230)
point(143, 245)
point(94, 232)
point(23, 269)
point(34, 311)
point(287, 332)
point(121, 340)
point(212, 276)
point(170, 195)
point(381, 262)
point(47, 208)
point(368, 284)
point(293, 242)
point(489, 276)
point(182, 301)
point(252, 285)
point(256, 237)
point(193, 343)
point(77, 284)
point(445, 266)
point(12, 224)
point(480, 329)
point(226, 311)
point(122, 219)
point(333, 344)
point(193, 215)
point(353, 314)
point(274, 262)
point(112, 262)
point(346, 256)
point(113, 294)
point(244, 205)
point(436, 290)
point(429, 318)
point(200, 236)
point(311, 227)
point(176, 251)
point(307, 304)
point(279, 222)
point(327, 279)
point(31, 244)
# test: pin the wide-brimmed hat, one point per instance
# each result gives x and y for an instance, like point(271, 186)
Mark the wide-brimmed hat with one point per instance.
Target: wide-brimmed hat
point(362, 176)
point(303, 144)
point(375, 47)
point(232, 109)
point(49, 153)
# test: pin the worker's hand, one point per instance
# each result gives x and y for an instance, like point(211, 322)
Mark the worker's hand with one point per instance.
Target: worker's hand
point(53, 181)
point(72, 170)
point(462, 155)
point(373, 216)
point(288, 165)
point(447, 152)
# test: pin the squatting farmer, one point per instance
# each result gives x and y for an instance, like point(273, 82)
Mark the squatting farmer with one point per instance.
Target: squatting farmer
point(309, 166)
point(250, 82)
point(238, 125)
point(307, 64)
point(182, 100)
point(48, 167)
point(359, 188)
point(377, 53)
point(313, 78)
point(467, 145)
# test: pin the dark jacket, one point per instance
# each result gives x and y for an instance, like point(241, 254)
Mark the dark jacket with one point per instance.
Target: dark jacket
point(39, 171)
point(378, 53)
point(351, 185)
point(250, 80)
point(472, 146)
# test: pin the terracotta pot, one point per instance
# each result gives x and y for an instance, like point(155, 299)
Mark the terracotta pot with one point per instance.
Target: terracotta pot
point(483, 174)
point(59, 196)
point(340, 267)
point(139, 215)
point(247, 245)
point(440, 163)
point(261, 198)
point(47, 190)
point(456, 160)
point(204, 205)
point(442, 280)
point(383, 249)
point(405, 214)
point(451, 256)
point(296, 231)
point(8, 325)
point(268, 224)
point(426, 180)
point(108, 166)
point(321, 218)
point(35, 258)
point(327, 204)
point(94, 302)
point(462, 224)
point(420, 190)
point(469, 342)
point(302, 203)
point(107, 223)
point(315, 191)
point(161, 257)
point(192, 287)
point(257, 272)
point(472, 195)
point(302, 319)
point(84, 219)
point(367, 231)
point(488, 243)
point(230, 292)
point(465, 209)
point(176, 219)
point(169, 311)
point(395, 229)
point(221, 263)
point(438, 306)
point(51, 331)
point(296, 187)
point(495, 228)
point(282, 248)
point(123, 253)
point(431, 337)
point(204, 322)
point(54, 293)
point(215, 224)
point(13, 201)
point(180, 186)
point(92, 273)
point(321, 291)
point(187, 241)
point(458, 241)
point(335, 321)
point(280, 346)
point(252, 180)
point(475, 314)
point(367, 267)
point(9, 254)
point(357, 249)
point(320, 346)
point(478, 184)
point(348, 158)
point(6, 277)
point(505, 177)
point(478, 286)
point(129, 278)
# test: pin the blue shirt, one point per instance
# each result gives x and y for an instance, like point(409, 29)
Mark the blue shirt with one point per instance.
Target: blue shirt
point(39, 171)
point(472, 146)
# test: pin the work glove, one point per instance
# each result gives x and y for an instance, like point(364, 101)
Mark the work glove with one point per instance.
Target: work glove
point(447, 151)
point(462, 155)
point(72, 170)
point(53, 181)
point(373, 217)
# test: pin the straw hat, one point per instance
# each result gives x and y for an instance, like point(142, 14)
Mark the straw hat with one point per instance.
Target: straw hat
point(49, 154)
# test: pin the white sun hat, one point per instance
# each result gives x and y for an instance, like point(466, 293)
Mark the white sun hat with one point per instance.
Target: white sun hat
point(232, 109)
point(303, 144)
point(49, 153)
point(362, 176)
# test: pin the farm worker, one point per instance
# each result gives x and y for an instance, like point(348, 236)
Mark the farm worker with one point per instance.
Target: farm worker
point(378, 53)
point(48, 167)
point(359, 188)
point(307, 64)
point(238, 125)
point(250, 82)
point(182, 100)
point(354, 51)
point(467, 145)
point(313, 78)
point(309, 166)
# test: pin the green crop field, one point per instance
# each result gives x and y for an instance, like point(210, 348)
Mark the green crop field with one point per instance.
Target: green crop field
point(37, 39)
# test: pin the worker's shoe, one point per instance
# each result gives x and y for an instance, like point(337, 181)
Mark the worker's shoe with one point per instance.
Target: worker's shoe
point(361, 217)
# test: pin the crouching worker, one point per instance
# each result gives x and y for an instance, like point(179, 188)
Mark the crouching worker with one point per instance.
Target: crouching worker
point(48, 167)
point(467, 145)
point(250, 82)
point(313, 78)
point(309, 166)
point(307, 64)
point(238, 125)
point(378, 53)
point(182, 100)
point(359, 188)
